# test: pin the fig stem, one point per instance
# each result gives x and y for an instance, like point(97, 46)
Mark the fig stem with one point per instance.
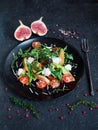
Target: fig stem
point(41, 18)
point(21, 22)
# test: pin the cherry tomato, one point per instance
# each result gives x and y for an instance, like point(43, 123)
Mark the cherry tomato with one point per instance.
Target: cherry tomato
point(51, 78)
point(54, 83)
point(67, 78)
point(41, 84)
point(24, 80)
point(36, 45)
point(43, 78)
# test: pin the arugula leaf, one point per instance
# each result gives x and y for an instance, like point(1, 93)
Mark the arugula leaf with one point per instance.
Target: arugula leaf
point(24, 54)
point(30, 73)
point(35, 53)
point(68, 56)
point(65, 48)
point(57, 73)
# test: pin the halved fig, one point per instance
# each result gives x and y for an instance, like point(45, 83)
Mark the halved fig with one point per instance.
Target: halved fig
point(22, 32)
point(38, 27)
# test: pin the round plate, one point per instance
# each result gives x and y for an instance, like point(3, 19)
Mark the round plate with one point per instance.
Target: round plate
point(28, 91)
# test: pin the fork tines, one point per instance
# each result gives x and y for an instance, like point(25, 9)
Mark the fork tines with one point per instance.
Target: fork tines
point(85, 45)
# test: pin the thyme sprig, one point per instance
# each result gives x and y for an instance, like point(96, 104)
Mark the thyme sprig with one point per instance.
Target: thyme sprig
point(24, 105)
point(84, 102)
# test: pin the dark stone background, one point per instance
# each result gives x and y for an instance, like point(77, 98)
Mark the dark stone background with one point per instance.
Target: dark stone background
point(80, 16)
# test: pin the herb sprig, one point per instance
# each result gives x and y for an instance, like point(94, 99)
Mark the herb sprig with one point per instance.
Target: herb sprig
point(84, 102)
point(24, 105)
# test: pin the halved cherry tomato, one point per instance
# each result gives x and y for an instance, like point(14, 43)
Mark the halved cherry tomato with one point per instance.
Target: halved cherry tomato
point(67, 78)
point(55, 83)
point(36, 45)
point(41, 84)
point(51, 78)
point(43, 78)
point(24, 80)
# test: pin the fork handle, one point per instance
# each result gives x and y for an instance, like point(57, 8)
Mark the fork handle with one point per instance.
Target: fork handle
point(89, 75)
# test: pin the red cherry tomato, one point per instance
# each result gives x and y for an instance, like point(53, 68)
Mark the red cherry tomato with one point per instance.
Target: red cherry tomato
point(41, 84)
point(54, 83)
point(24, 80)
point(51, 78)
point(67, 78)
point(36, 45)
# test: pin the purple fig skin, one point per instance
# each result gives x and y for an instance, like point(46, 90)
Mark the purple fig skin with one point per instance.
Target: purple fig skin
point(22, 32)
point(38, 27)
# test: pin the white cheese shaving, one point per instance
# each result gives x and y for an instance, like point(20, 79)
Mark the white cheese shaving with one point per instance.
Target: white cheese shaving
point(68, 67)
point(56, 60)
point(46, 72)
point(30, 60)
point(20, 71)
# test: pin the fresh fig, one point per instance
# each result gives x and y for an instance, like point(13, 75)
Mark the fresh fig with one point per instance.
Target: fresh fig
point(22, 32)
point(38, 27)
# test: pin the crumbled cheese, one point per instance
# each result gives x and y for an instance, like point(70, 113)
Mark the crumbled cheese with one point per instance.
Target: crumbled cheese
point(30, 60)
point(46, 72)
point(56, 60)
point(20, 71)
point(68, 67)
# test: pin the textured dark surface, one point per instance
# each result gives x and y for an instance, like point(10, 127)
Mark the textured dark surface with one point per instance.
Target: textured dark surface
point(77, 16)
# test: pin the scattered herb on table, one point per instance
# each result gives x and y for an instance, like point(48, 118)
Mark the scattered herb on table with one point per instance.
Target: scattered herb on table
point(24, 105)
point(84, 102)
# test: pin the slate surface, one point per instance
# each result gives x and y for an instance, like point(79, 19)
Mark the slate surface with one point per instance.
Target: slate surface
point(77, 16)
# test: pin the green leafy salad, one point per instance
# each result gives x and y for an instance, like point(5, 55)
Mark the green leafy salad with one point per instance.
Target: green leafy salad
point(45, 65)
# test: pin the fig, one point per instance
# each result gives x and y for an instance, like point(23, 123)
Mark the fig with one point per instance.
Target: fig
point(22, 32)
point(38, 27)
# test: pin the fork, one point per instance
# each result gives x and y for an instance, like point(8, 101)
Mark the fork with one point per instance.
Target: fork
point(85, 49)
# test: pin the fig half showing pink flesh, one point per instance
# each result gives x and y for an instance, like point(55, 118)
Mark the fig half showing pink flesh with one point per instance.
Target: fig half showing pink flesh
point(22, 32)
point(38, 27)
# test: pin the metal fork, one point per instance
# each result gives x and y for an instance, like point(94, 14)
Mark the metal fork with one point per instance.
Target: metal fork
point(85, 49)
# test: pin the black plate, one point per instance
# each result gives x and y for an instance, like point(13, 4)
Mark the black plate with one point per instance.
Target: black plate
point(28, 91)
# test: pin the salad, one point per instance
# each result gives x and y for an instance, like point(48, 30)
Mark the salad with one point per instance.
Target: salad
point(44, 65)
